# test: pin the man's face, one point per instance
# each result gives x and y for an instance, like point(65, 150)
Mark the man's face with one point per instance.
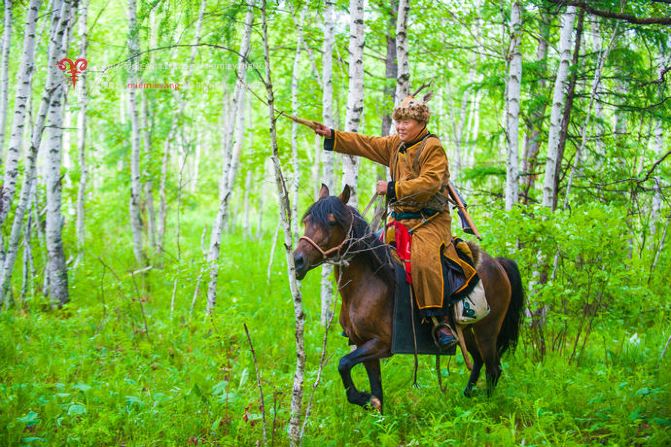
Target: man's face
point(408, 129)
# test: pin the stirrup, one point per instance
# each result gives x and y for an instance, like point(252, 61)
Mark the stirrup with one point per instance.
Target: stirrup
point(445, 344)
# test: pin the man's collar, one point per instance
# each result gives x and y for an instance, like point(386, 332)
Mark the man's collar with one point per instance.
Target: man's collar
point(423, 133)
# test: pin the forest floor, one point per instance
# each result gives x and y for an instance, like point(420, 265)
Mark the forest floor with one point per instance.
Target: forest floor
point(94, 374)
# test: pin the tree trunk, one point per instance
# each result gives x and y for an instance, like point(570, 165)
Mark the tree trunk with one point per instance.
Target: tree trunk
point(549, 193)
point(513, 105)
point(136, 187)
point(294, 125)
point(245, 221)
point(146, 175)
point(603, 55)
point(162, 197)
point(390, 69)
point(285, 217)
point(327, 156)
point(81, 132)
point(23, 91)
point(403, 79)
point(355, 92)
point(4, 71)
point(56, 267)
point(228, 175)
point(568, 107)
point(537, 115)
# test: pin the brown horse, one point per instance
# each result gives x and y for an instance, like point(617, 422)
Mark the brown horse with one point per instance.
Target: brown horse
point(336, 233)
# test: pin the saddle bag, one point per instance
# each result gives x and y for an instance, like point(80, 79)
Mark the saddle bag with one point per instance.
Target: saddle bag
point(463, 285)
point(473, 307)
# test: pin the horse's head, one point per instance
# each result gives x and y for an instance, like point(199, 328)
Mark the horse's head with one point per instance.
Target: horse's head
point(328, 224)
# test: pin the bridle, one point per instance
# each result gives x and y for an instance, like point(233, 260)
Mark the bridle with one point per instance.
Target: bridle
point(328, 255)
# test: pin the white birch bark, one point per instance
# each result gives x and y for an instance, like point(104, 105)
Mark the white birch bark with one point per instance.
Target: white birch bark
point(162, 197)
point(603, 55)
point(533, 131)
point(81, 132)
point(193, 184)
point(23, 84)
point(136, 188)
point(4, 71)
point(355, 92)
point(403, 79)
point(53, 83)
point(294, 126)
point(245, 220)
point(148, 181)
point(230, 165)
point(658, 146)
point(557, 105)
point(56, 268)
point(513, 105)
point(657, 197)
point(327, 156)
point(285, 217)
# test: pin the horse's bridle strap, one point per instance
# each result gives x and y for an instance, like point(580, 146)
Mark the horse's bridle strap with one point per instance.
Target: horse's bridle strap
point(327, 253)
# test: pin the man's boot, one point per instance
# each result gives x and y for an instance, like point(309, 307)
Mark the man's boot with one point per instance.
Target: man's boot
point(444, 335)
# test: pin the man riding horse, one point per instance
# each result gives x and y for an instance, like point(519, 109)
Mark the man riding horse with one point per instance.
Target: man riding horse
point(418, 197)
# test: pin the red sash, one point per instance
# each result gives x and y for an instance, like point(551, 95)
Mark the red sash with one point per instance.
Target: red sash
point(403, 239)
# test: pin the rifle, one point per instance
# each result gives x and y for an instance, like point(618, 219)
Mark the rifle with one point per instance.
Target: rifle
point(466, 222)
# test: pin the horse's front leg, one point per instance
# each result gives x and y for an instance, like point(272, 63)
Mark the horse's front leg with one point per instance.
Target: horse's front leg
point(369, 351)
point(375, 379)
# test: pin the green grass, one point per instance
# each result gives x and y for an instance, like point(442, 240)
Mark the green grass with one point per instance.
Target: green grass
point(90, 375)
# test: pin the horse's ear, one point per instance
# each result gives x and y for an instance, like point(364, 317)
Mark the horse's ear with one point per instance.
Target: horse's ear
point(324, 191)
point(344, 196)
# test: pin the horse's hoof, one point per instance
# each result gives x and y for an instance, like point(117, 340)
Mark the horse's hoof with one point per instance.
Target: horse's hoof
point(468, 392)
point(376, 403)
point(361, 399)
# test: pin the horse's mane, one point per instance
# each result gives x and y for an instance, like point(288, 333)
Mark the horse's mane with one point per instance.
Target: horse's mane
point(365, 243)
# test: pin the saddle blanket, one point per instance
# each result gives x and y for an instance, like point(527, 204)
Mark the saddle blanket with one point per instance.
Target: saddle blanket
point(402, 334)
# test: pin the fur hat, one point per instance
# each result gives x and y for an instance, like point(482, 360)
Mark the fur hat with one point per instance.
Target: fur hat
point(412, 108)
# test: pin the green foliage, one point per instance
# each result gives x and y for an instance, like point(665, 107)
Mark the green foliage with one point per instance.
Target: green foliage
point(91, 375)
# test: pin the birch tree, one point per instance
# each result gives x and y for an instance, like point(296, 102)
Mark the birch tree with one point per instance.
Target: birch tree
point(403, 79)
point(390, 69)
point(285, 218)
point(4, 70)
point(228, 175)
point(21, 100)
point(136, 187)
point(534, 126)
point(56, 269)
point(549, 193)
point(603, 55)
point(513, 105)
point(355, 92)
point(294, 125)
point(81, 130)
point(327, 156)
point(50, 86)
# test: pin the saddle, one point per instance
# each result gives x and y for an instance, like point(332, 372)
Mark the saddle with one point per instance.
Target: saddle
point(407, 327)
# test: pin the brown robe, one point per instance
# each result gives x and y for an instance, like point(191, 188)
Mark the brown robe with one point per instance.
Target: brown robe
point(420, 173)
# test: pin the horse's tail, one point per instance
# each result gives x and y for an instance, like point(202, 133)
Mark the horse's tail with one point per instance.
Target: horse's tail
point(510, 330)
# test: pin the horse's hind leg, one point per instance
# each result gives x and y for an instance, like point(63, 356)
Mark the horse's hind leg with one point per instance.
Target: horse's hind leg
point(477, 362)
point(375, 379)
point(487, 347)
point(372, 350)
